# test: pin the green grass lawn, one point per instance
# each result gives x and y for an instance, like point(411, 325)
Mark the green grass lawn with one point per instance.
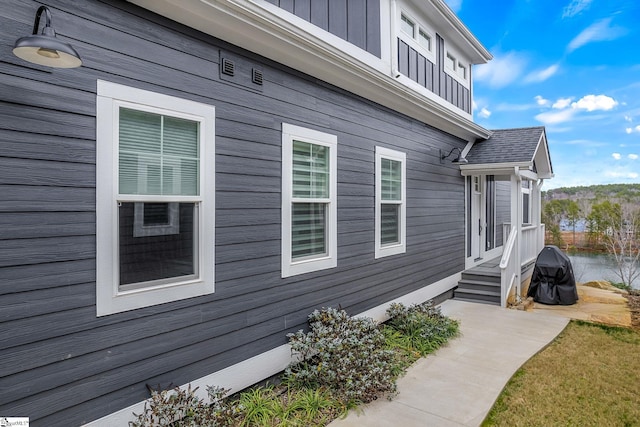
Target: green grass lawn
point(588, 376)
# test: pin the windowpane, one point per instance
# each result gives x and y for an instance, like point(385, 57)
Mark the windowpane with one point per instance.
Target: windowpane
point(308, 229)
point(155, 213)
point(389, 224)
point(310, 170)
point(391, 179)
point(158, 154)
point(451, 61)
point(407, 26)
point(153, 258)
point(424, 40)
point(525, 209)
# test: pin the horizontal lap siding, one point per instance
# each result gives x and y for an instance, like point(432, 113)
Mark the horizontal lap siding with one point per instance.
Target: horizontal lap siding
point(64, 366)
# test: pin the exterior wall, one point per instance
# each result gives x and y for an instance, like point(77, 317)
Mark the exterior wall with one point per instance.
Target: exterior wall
point(432, 76)
point(62, 365)
point(356, 21)
point(503, 207)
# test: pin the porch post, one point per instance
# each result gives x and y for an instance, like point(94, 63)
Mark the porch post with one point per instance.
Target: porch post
point(516, 219)
point(537, 200)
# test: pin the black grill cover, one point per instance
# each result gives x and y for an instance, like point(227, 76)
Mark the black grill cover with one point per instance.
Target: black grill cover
point(553, 281)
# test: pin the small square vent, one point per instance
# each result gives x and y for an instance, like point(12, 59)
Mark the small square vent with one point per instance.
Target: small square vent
point(256, 76)
point(228, 67)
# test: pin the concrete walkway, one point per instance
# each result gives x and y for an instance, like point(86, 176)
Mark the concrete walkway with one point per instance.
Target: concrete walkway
point(458, 385)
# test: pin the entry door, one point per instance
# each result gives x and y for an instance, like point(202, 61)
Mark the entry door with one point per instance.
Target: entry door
point(477, 220)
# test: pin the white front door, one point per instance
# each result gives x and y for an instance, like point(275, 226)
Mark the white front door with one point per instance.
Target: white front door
point(477, 218)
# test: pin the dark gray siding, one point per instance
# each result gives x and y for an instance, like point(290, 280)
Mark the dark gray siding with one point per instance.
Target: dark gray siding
point(503, 207)
point(62, 365)
point(356, 21)
point(432, 76)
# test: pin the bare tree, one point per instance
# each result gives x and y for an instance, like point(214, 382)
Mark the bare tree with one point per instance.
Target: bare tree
point(622, 239)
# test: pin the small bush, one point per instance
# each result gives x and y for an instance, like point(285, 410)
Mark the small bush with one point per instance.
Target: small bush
point(344, 354)
point(422, 327)
point(182, 408)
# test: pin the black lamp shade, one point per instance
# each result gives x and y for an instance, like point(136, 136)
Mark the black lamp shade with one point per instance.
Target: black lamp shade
point(46, 49)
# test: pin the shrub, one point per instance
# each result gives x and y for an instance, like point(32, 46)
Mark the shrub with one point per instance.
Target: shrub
point(423, 328)
point(182, 408)
point(344, 354)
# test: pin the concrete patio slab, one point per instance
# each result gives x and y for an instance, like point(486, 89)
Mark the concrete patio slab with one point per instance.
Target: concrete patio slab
point(458, 385)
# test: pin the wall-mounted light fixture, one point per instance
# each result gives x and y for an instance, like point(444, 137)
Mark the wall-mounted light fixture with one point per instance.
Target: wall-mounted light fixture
point(46, 49)
point(460, 159)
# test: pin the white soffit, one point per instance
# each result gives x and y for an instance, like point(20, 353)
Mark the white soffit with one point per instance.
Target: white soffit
point(262, 28)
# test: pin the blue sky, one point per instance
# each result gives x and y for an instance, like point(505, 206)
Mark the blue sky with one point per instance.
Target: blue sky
point(570, 65)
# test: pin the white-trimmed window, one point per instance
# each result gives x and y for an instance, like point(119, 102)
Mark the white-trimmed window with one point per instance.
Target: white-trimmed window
point(391, 209)
point(526, 201)
point(309, 200)
point(456, 67)
point(155, 198)
point(416, 34)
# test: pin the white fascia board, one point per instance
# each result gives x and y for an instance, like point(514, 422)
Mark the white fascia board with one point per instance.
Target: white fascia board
point(267, 30)
point(494, 168)
point(542, 158)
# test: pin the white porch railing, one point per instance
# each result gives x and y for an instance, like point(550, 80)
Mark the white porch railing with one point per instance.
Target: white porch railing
point(531, 243)
point(509, 268)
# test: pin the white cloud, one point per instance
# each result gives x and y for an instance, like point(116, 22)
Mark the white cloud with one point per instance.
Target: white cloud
point(628, 118)
point(502, 70)
point(637, 128)
point(484, 113)
point(595, 102)
point(633, 156)
point(541, 75)
point(555, 117)
point(541, 101)
point(628, 130)
point(455, 5)
point(598, 31)
point(616, 156)
point(632, 175)
point(562, 103)
point(575, 7)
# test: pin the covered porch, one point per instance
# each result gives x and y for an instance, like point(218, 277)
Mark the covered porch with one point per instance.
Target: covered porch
point(504, 176)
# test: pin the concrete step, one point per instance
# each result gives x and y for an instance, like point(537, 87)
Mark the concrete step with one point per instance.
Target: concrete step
point(477, 301)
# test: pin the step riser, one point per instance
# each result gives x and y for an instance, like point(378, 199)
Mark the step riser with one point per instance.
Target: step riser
point(477, 297)
point(477, 287)
point(480, 278)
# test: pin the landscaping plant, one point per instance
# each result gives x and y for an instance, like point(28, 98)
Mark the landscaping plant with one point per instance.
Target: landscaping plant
point(347, 355)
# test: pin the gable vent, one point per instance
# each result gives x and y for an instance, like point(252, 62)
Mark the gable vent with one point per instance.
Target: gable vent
point(256, 76)
point(228, 67)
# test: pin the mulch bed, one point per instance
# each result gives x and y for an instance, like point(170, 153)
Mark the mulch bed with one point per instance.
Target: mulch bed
point(634, 305)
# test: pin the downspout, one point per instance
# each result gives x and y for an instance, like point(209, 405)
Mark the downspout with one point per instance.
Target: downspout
point(395, 73)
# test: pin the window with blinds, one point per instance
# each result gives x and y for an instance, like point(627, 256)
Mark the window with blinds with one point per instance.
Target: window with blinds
point(390, 202)
point(308, 200)
point(155, 198)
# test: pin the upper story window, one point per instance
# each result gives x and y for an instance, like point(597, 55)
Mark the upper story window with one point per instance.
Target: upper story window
point(456, 67)
point(155, 198)
point(417, 34)
point(309, 200)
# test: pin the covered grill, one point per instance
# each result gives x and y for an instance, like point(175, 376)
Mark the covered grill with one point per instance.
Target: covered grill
point(553, 281)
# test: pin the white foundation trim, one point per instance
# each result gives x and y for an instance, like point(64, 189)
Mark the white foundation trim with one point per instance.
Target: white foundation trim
point(248, 372)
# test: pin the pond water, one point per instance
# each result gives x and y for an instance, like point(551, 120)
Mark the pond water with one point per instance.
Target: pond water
point(588, 267)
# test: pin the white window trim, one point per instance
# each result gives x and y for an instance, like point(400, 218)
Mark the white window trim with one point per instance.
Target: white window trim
point(414, 41)
point(330, 259)
point(401, 247)
point(109, 298)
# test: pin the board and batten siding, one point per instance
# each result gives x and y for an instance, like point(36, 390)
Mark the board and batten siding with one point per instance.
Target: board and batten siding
point(61, 364)
point(356, 21)
point(433, 76)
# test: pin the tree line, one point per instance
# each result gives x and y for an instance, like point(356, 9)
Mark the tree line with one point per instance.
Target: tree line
point(611, 218)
